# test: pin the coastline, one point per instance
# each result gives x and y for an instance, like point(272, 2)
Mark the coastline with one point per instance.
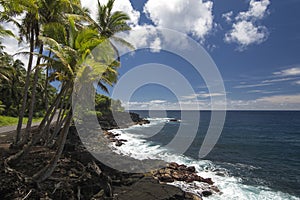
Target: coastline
point(80, 176)
point(170, 173)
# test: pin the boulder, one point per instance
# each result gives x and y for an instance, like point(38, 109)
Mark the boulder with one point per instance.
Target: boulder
point(166, 178)
point(191, 169)
point(173, 165)
point(208, 180)
point(215, 189)
point(178, 175)
point(206, 193)
point(182, 167)
point(192, 196)
point(119, 143)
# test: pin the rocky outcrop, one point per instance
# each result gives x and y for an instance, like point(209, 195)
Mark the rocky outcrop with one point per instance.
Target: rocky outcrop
point(149, 189)
point(176, 172)
point(112, 137)
point(116, 120)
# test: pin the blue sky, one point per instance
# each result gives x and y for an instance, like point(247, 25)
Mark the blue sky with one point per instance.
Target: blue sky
point(255, 45)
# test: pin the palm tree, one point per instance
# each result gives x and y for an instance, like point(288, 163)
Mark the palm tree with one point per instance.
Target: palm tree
point(71, 44)
point(29, 30)
point(5, 65)
point(73, 56)
point(110, 23)
point(38, 13)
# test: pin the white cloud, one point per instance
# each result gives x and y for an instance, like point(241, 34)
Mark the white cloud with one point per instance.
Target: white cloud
point(278, 80)
point(156, 45)
point(281, 99)
point(189, 16)
point(289, 72)
point(227, 16)
point(202, 95)
point(157, 101)
point(297, 82)
point(119, 5)
point(245, 33)
point(141, 37)
point(262, 91)
point(252, 85)
point(12, 45)
point(245, 30)
point(274, 102)
point(257, 10)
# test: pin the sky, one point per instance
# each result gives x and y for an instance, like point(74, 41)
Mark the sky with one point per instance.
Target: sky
point(254, 46)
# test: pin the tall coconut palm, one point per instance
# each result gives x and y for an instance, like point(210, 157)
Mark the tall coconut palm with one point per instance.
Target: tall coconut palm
point(44, 12)
point(30, 31)
point(110, 23)
point(73, 56)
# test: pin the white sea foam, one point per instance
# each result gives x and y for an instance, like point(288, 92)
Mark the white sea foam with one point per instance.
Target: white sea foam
point(230, 186)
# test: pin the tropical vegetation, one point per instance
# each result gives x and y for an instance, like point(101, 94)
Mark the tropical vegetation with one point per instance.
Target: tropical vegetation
point(68, 46)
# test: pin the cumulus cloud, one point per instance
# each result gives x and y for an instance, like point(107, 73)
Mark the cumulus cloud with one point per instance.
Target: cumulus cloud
point(294, 71)
point(257, 10)
point(156, 45)
point(245, 30)
point(245, 33)
point(297, 82)
point(191, 16)
point(227, 16)
point(142, 36)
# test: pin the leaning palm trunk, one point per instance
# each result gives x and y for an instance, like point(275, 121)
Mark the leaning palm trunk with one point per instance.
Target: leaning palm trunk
point(53, 108)
point(31, 108)
point(27, 83)
point(60, 121)
point(46, 172)
point(36, 138)
point(46, 84)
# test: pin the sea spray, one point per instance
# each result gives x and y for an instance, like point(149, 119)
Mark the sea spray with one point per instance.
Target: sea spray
point(231, 187)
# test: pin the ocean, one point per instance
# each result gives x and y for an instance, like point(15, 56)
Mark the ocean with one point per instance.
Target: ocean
point(256, 157)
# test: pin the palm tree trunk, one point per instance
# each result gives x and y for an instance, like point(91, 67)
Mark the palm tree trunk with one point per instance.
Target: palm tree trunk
point(46, 85)
point(31, 108)
point(27, 83)
point(46, 172)
point(50, 111)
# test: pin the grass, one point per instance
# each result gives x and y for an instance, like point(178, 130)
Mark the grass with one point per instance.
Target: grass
point(9, 121)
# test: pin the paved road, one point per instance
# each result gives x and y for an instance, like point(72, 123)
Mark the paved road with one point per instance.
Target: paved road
point(9, 129)
point(4, 130)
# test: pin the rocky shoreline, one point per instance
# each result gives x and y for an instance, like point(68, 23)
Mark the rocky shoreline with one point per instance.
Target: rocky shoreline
point(173, 172)
point(79, 175)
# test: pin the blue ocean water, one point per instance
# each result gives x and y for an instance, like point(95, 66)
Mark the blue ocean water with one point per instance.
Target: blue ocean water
point(257, 155)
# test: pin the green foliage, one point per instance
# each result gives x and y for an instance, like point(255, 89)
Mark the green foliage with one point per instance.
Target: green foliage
point(116, 106)
point(71, 37)
point(2, 107)
point(12, 82)
point(8, 121)
point(104, 104)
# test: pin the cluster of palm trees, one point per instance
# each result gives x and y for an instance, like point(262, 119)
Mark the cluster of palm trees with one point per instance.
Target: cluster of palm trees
point(12, 82)
point(62, 36)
